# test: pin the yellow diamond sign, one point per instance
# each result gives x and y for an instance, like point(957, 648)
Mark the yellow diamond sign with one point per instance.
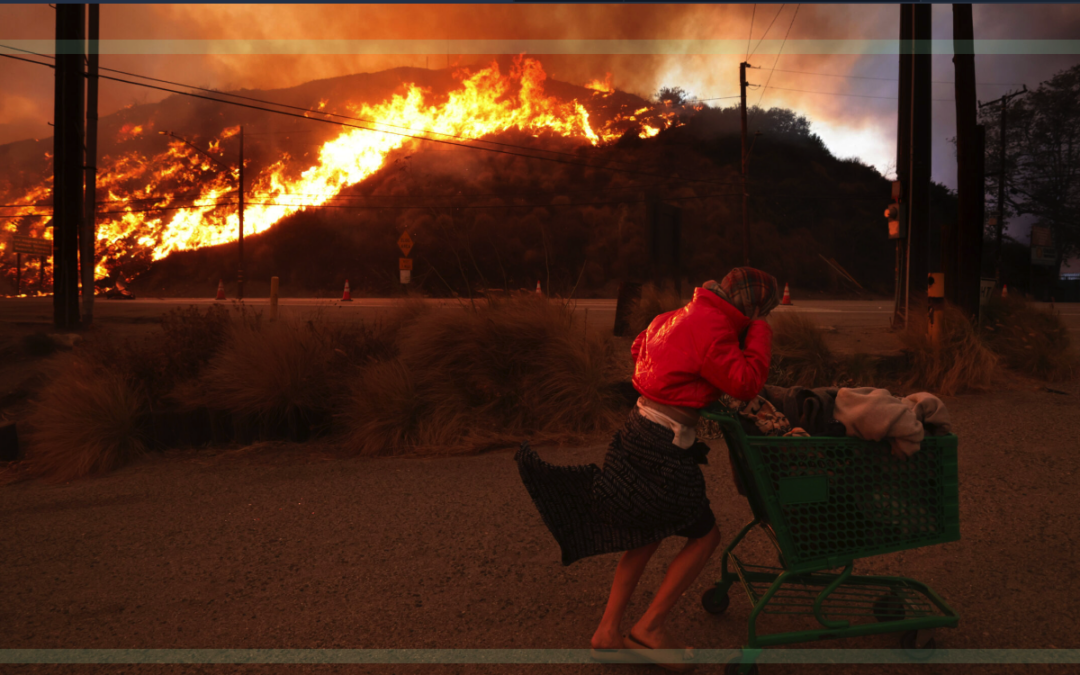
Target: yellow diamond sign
point(405, 243)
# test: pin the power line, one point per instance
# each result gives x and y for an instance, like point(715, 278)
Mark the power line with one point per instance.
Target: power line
point(778, 54)
point(403, 135)
point(751, 35)
point(307, 110)
point(766, 31)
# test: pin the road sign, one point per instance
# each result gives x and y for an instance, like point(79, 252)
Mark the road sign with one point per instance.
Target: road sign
point(405, 243)
point(986, 290)
point(1043, 255)
point(405, 263)
point(406, 276)
point(31, 245)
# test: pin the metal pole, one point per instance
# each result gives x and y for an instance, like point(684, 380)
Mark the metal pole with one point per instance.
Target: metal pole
point(88, 236)
point(18, 273)
point(41, 275)
point(745, 198)
point(67, 163)
point(240, 275)
point(1001, 189)
point(921, 148)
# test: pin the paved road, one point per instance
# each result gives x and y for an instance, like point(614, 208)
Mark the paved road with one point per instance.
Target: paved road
point(851, 325)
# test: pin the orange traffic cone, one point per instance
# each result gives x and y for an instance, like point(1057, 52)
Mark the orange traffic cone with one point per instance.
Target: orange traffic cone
point(1004, 290)
point(346, 296)
point(538, 291)
point(786, 300)
point(220, 290)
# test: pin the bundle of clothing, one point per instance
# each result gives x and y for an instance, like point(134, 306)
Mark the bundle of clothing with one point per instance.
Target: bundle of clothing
point(864, 412)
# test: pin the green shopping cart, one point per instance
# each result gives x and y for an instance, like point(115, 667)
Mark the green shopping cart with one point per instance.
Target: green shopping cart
point(825, 502)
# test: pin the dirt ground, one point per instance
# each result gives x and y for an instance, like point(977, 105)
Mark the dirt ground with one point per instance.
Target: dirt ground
point(289, 546)
point(292, 546)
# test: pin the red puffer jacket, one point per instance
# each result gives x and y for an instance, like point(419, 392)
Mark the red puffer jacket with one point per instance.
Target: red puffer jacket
point(690, 356)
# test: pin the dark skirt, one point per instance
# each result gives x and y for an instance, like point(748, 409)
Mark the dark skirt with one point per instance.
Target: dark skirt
point(648, 490)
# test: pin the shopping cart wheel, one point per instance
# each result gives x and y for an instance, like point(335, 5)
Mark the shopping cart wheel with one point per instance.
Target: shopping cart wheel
point(889, 607)
point(919, 644)
point(732, 668)
point(712, 604)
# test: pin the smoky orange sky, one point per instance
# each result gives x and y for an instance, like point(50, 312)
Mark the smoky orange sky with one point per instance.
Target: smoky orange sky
point(849, 99)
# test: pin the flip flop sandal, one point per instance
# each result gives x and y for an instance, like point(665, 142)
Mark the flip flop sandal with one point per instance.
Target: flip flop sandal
point(665, 658)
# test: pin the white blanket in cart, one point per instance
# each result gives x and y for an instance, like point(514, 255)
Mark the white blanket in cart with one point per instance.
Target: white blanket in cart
point(875, 414)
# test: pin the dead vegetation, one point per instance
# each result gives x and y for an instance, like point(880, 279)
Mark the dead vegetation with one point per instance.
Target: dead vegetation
point(485, 375)
point(961, 363)
point(654, 302)
point(800, 355)
point(1030, 340)
point(88, 420)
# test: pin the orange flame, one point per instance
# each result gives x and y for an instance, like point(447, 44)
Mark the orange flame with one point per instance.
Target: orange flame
point(601, 86)
point(129, 131)
point(134, 224)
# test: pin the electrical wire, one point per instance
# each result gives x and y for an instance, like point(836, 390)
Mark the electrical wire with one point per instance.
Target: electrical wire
point(766, 31)
point(306, 110)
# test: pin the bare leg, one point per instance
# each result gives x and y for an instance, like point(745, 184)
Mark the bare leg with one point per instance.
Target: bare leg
point(682, 572)
point(627, 574)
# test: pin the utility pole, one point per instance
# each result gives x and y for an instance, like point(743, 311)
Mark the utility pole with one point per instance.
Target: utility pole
point(88, 235)
point(903, 162)
point(921, 146)
point(1004, 100)
point(67, 163)
point(745, 196)
point(240, 274)
point(962, 287)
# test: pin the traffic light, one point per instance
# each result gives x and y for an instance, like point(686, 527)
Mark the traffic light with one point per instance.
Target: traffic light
point(896, 214)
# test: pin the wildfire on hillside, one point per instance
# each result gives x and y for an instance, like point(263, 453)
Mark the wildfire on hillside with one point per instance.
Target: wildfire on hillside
point(179, 199)
point(601, 86)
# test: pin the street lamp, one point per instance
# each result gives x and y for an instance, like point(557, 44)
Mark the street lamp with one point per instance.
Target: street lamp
point(240, 192)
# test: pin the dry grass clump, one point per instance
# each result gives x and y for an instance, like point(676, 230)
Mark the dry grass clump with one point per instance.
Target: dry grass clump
point(473, 377)
point(87, 421)
point(157, 364)
point(275, 373)
point(654, 302)
point(961, 363)
point(1031, 340)
point(800, 356)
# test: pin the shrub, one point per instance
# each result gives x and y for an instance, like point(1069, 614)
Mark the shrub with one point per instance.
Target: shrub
point(654, 302)
point(87, 421)
point(800, 355)
point(961, 362)
point(1028, 339)
point(472, 377)
point(275, 373)
point(160, 362)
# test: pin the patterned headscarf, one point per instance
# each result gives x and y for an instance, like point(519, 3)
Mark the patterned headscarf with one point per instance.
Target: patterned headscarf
point(746, 289)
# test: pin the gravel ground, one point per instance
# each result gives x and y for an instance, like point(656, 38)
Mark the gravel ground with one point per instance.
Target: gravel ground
point(286, 546)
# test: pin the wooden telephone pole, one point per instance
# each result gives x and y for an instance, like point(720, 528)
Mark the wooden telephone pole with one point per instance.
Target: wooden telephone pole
point(240, 273)
point(88, 235)
point(745, 195)
point(913, 156)
point(965, 253)
point(68, 163)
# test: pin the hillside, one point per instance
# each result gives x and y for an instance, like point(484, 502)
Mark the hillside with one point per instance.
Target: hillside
point(483, 219)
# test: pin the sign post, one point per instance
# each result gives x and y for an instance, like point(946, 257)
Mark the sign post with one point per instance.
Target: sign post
point(405, 243)
point(30, 246)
